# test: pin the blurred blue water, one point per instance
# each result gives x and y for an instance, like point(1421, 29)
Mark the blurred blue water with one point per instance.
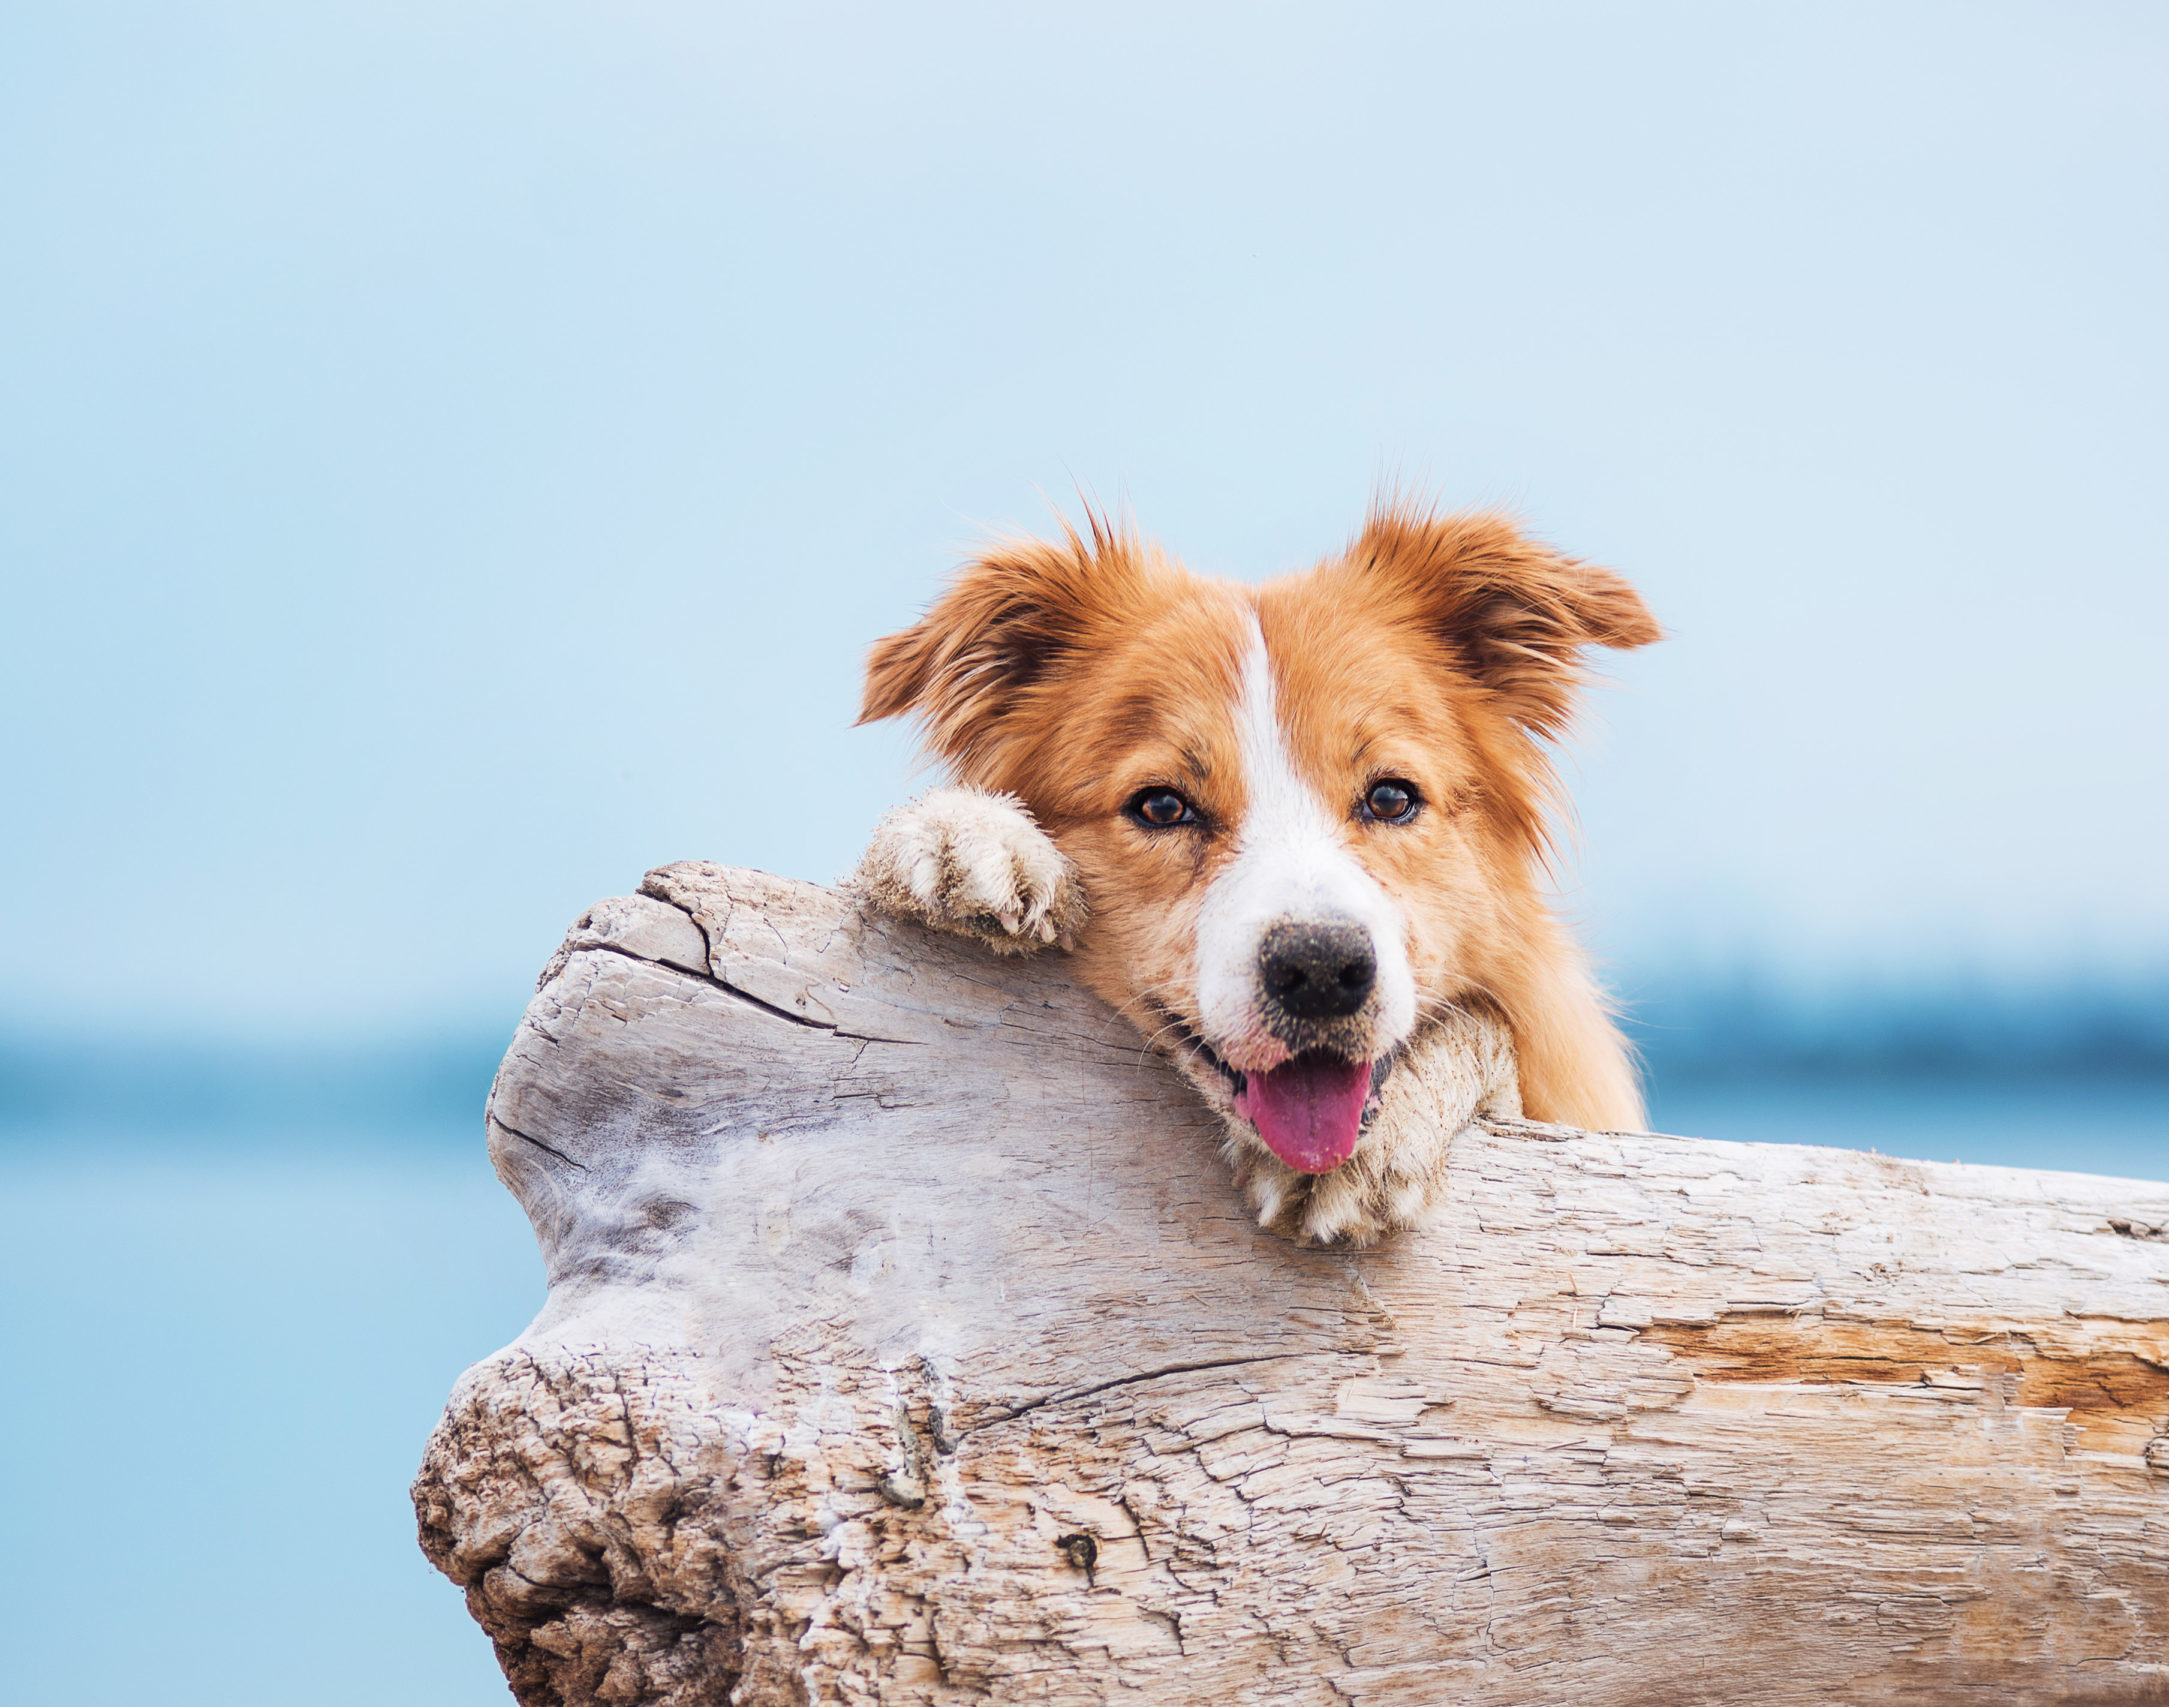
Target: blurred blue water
point(225, 1353)
point(228, 1342)
point(2093, 1123)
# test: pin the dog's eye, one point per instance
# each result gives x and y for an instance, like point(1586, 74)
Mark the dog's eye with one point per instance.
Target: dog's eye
point(1161, 809)
point(1391, 801)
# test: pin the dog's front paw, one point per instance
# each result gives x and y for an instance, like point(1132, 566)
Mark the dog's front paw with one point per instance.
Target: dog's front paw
point(975, 864)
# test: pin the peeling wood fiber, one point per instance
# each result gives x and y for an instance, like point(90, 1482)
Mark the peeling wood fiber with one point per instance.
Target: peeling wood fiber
point(907, 1343)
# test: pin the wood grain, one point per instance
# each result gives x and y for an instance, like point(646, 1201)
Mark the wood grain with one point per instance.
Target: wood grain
point(907, 1343)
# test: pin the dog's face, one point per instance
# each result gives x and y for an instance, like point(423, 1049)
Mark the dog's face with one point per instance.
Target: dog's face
point(1307, 816)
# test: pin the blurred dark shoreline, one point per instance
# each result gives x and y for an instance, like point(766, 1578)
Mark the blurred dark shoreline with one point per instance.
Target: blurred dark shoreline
point(1749, 1027)
point(1690, 1036)
point(223, 1087)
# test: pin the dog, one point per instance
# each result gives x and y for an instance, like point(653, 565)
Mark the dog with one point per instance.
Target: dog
point(1294, 833)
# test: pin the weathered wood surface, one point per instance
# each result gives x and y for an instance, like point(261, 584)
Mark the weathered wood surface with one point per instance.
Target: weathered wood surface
point(906, 1342)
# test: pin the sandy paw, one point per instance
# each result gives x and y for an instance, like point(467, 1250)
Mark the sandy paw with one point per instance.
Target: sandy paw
point(977, 865)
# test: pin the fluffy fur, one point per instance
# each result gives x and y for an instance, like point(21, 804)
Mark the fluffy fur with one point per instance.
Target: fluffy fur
point(1059, 679)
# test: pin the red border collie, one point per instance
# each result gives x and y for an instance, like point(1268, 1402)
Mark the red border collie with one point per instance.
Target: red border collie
point(1295, 833)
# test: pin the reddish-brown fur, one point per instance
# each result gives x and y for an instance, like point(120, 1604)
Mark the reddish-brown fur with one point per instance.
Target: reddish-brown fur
point(1442, 649)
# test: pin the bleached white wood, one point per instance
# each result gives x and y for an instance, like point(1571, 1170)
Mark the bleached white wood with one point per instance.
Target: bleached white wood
point(907, 1342)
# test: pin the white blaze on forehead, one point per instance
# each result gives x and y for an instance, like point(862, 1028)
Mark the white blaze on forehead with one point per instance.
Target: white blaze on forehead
point(1290, 864)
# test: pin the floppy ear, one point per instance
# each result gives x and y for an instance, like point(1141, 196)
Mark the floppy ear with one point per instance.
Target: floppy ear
point(1515, 612)
point(1004, 625)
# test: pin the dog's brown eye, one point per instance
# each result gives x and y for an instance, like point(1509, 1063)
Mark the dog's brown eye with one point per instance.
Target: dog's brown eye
point(1161, 809)
point(1392, 801)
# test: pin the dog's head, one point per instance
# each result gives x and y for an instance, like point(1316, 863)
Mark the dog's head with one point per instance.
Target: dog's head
point(1308, 815)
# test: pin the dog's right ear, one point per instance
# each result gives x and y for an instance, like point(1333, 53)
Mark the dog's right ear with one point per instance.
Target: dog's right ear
point(995, 638)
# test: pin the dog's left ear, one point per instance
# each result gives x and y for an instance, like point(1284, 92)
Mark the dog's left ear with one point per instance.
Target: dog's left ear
point(996, 639)
point(1515, 612)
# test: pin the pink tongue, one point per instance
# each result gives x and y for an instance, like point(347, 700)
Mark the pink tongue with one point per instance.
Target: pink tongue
point(1308, 1110)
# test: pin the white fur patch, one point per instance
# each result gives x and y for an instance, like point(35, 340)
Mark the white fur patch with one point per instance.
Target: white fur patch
point(1290, 864)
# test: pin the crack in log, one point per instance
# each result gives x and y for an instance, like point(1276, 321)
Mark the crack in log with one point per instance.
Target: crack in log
point(729, 989)
point(710, 978)
point(530, 1138)
point(1132, 1381)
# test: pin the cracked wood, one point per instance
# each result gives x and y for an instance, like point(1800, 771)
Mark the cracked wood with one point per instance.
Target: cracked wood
point(907, 1343)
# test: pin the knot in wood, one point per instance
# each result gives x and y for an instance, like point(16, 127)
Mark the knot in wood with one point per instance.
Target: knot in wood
point(1083, 1552)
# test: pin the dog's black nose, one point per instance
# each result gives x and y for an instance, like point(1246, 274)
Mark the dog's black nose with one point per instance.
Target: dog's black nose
point(1317, 968)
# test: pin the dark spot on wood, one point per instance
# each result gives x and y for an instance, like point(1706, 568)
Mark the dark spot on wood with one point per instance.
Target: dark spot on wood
point(1083, 1552)
point(901, 1491)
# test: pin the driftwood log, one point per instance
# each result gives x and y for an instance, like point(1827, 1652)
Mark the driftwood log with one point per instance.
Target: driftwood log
point(906, 1342)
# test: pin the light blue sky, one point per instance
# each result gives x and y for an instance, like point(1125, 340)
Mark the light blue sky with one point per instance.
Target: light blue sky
point(453, 456)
